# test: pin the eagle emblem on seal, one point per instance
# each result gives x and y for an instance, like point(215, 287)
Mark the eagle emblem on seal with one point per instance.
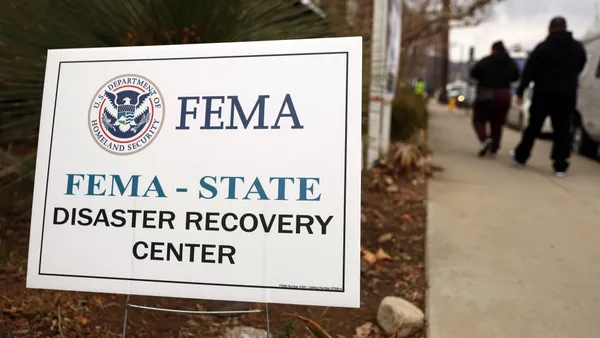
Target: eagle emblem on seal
point(128, 115)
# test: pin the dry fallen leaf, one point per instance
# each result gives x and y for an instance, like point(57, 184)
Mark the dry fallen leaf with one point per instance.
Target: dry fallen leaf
point(406, 218)
point(377, 333)
point(98, 302)
point(314, 328)
point(12, 311)
point(392, 188)
point(382, 255)
point(368, 256)
point(385, 237)
point(388, 180)
point(378, 214)
point(10, 267)
point(364, 330)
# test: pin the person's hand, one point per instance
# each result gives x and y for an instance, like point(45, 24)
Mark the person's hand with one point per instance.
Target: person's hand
point(519, 100)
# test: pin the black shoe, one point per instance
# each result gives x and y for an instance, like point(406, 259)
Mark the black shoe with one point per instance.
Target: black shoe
point(485, 147)
point(513, 157)
point(560, 168)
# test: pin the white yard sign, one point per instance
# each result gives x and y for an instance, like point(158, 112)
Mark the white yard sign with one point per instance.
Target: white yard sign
point(217, 171)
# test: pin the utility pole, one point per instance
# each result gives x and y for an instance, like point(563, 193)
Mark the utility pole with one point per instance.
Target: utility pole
point(470, 63)
point(470, 83)
point(377, 86)
point(434, 62)
point(462, 62)
point(445, 47)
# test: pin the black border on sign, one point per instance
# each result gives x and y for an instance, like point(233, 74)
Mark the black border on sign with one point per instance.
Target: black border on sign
point(202, 283)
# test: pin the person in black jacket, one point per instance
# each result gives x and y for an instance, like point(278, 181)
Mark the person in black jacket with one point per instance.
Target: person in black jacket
point(494, 74)
point(554, 67)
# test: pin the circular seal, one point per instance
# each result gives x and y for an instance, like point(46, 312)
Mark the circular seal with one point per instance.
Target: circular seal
point(126, 114)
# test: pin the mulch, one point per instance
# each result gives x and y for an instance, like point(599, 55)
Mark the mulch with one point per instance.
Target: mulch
point(392, 235)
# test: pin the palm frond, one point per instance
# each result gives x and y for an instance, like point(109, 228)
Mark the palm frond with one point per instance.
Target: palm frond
point(30, 28)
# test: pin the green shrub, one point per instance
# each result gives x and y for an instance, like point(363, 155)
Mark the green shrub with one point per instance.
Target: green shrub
point(409, 114)
point(31, 27)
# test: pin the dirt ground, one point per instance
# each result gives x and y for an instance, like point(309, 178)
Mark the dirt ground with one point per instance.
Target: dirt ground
point(393, 220)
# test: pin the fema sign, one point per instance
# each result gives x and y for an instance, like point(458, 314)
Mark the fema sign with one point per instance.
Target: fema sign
point(213, 171)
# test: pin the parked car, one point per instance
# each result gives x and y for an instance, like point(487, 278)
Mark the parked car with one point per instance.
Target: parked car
point(462, 92)
point(586, 125)
point(518, 116)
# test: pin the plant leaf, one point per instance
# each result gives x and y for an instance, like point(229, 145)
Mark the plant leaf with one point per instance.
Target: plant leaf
point(315, 328)
point(381, 255)
point(368, 256)
point(364, 330)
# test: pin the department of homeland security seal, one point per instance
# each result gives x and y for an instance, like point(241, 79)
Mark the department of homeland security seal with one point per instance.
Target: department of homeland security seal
point(126, 114)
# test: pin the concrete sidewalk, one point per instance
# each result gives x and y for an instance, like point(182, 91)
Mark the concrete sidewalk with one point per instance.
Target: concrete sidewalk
point(511, 252)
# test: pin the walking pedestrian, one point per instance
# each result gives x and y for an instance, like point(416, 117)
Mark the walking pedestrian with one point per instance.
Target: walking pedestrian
point(494, 75)
point(554, 67)
point(420, 87)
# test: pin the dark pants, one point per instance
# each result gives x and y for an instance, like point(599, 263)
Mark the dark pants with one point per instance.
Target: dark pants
point(561, 109)
point(492, 111)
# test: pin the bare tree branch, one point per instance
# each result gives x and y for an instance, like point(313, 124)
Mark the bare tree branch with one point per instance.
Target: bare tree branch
point(425, 18)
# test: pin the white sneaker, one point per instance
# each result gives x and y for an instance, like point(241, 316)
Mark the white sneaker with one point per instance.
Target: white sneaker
point(485, 147)
point(560, 174)
point(513, 158)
